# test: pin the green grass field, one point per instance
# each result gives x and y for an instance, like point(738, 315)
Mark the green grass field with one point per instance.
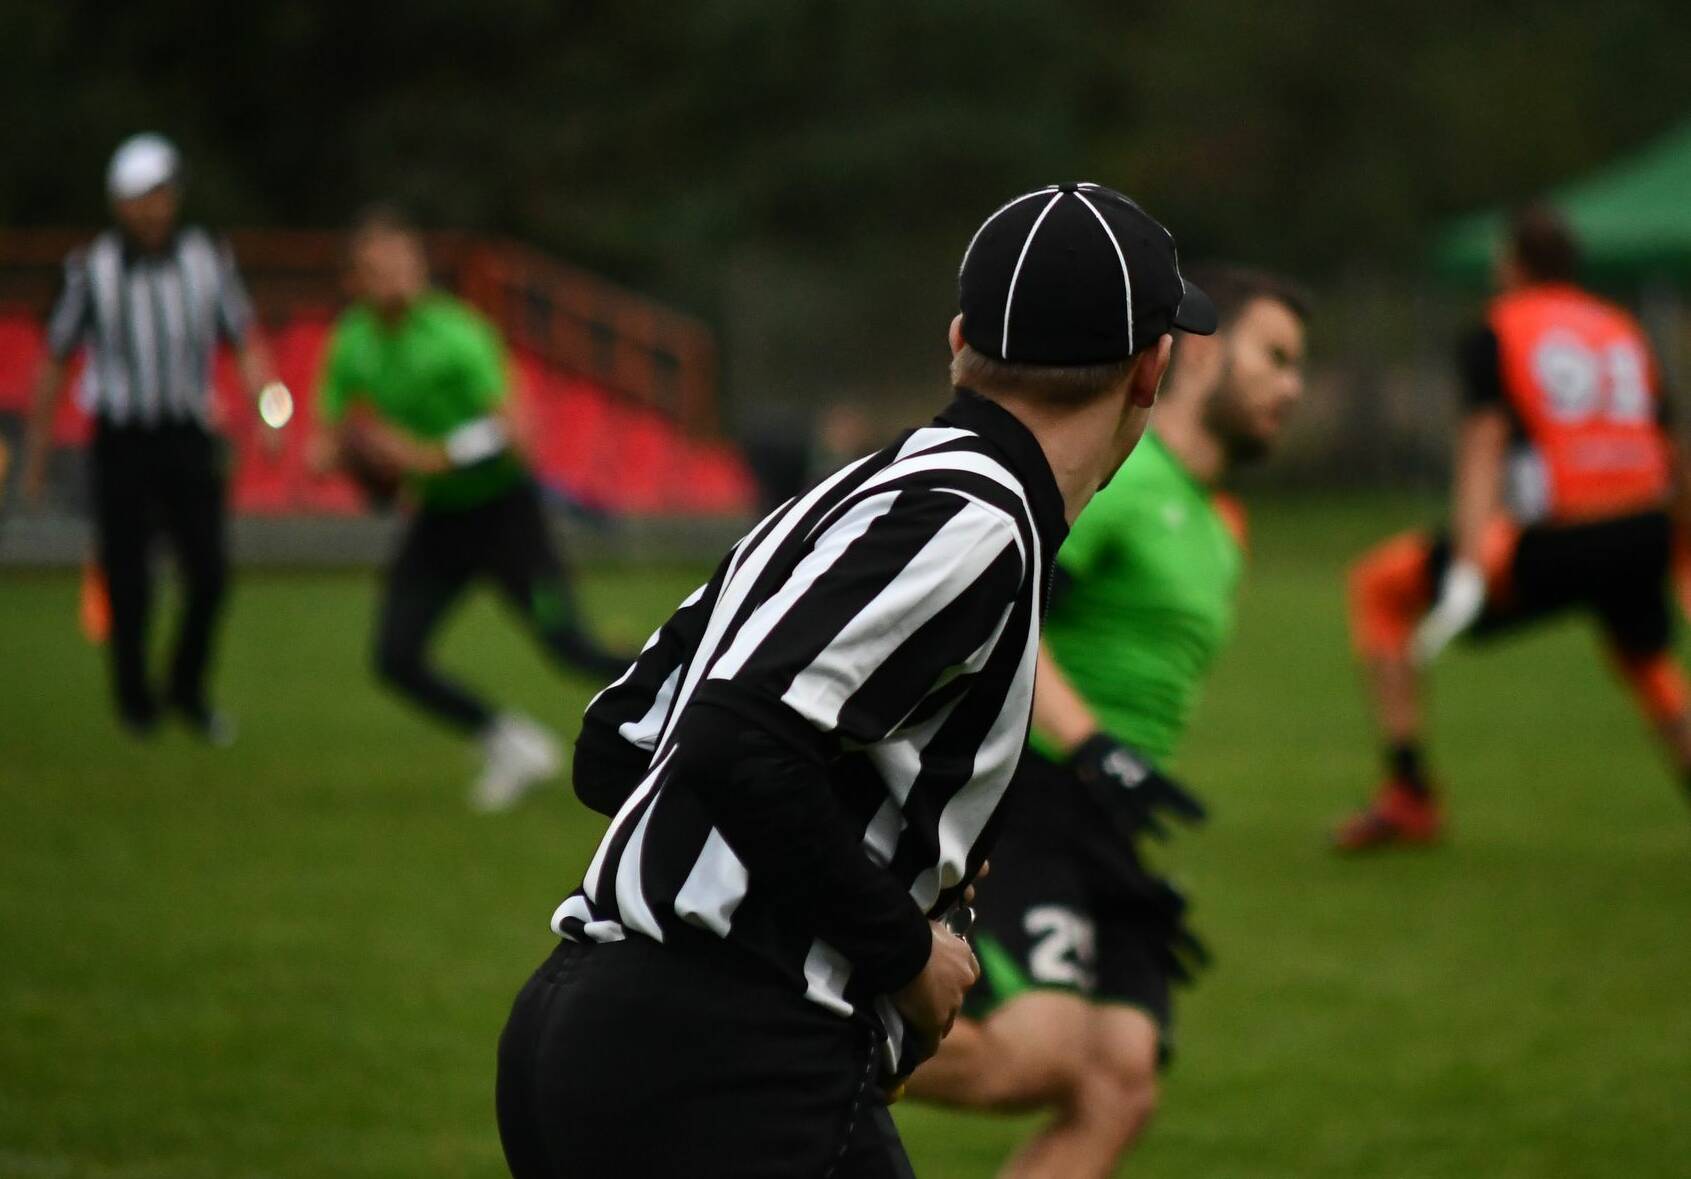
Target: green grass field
point(293, 958)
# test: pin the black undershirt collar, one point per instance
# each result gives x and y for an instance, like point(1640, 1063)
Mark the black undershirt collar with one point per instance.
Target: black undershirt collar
point(1023, 455)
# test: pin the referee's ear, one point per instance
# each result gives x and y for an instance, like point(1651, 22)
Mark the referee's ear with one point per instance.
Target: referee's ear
point(956, 333)
point(1147, 374)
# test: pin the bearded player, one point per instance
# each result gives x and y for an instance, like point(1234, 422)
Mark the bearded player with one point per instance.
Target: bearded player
point(1563, 478)
point(1079, 943)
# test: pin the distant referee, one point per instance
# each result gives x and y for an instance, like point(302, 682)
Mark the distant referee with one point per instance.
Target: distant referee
point(805, 763)
point(151, 299)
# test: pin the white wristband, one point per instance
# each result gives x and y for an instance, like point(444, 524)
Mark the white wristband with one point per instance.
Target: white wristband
point(477, 440)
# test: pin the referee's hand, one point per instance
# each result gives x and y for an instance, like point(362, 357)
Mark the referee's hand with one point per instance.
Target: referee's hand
point(932, 999)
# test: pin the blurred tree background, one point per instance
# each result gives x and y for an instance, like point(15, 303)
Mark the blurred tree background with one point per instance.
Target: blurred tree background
point(804, 173)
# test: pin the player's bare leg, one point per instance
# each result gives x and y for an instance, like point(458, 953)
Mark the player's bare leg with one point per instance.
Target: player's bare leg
point(1025, 1055)
point(1659, 689)
point(1675, 734)
point(1110, 1105)
point(1094, 1066)
point(1389, 593)
point(1395, 685)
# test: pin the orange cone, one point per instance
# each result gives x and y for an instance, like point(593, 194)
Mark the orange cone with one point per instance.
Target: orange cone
point(96, 606)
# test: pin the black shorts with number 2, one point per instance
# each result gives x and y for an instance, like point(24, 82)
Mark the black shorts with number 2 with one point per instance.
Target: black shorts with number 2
point(1067, 906)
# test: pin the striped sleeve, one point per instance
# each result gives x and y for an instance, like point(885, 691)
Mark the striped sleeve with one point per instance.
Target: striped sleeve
point(904, 594)
point(73, 313)
point(234, 309)
point(620, 729)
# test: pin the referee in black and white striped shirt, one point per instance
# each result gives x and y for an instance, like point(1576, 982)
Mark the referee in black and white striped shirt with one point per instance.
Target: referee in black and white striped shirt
point(150, 300)
point(804, 764)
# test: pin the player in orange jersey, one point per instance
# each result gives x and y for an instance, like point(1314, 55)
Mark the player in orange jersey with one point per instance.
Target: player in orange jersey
point(1564, 479)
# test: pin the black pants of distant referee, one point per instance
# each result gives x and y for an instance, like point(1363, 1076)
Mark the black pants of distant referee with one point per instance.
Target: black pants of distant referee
point(635, 1060)
point(442, 553)
point(148, 479)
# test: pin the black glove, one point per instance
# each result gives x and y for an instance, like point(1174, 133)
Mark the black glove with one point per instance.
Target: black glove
point(1133, 792)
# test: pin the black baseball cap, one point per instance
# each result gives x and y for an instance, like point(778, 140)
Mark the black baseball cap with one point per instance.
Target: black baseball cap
point(1074, 274)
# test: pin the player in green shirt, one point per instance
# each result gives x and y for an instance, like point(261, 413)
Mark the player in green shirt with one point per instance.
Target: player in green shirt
point(1079, 943)
point(414, 394)
point(1150, 574)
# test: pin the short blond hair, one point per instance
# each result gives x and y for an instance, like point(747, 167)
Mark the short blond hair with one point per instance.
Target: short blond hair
point(1063, 384)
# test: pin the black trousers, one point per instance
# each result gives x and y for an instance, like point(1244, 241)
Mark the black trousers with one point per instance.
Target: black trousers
point(634, 1060)
point(167, 478)
point(442, 553)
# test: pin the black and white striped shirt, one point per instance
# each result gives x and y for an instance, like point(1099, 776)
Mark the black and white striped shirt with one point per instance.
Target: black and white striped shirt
point(896, 609)
point(151, 322)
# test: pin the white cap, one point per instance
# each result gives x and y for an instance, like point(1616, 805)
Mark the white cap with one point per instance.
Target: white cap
point(140, 164)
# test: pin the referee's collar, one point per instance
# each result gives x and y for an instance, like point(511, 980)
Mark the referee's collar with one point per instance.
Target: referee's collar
point(970, 411)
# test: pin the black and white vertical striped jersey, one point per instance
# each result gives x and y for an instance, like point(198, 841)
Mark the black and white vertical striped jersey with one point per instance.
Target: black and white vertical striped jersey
point(151, 322)
point(896, 609)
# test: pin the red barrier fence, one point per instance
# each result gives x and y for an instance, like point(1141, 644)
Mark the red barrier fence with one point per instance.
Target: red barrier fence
point(621, 390)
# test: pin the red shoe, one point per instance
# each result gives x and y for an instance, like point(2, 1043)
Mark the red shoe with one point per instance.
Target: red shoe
point(1397, 815)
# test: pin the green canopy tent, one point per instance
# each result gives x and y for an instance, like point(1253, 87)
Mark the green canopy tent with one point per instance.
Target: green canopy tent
point(1633, 217)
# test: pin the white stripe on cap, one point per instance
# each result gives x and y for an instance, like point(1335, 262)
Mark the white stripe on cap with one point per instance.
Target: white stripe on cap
point(1002, 209)
point(1126, 283)
point(1010, 295)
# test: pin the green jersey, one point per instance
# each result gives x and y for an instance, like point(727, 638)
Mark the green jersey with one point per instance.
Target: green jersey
point(1155, 561)
point(438, 368)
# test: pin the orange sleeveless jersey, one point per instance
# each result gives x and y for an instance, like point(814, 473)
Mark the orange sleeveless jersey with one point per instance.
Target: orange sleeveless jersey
point(1580, 376)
